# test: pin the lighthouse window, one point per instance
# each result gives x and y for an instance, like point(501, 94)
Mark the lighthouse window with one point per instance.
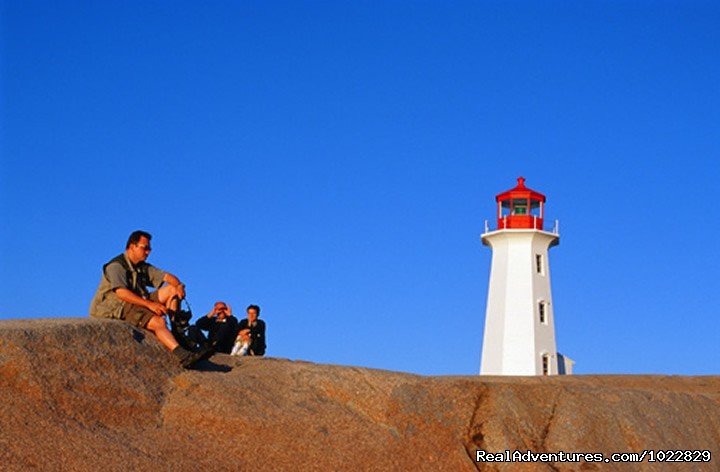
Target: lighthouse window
point(539, 266)
point(535, 208)
point(520, 207)
point(542, 312)
point(505, 208)
point(545, 364)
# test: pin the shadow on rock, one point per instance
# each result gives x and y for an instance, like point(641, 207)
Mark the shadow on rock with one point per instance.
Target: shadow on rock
point(138, 335)
point(210, 366)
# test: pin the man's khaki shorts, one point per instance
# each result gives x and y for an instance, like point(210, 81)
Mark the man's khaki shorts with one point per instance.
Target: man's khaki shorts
point(137, 315)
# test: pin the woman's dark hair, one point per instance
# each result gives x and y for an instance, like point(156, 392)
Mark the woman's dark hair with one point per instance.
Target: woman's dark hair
point(135, 237)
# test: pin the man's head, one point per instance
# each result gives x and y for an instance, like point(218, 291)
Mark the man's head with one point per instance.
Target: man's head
point(253, 311)
point(221, 309)
point(138, 246)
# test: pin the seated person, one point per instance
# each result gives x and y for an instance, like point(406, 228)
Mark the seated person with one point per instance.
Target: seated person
point(222, 327)
point(251, 335)
point(123, 294)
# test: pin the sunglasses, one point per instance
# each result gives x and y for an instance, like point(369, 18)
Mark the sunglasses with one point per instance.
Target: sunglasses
point(144, 247)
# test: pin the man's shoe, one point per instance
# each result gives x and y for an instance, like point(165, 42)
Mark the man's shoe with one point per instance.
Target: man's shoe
point(207, 352)
point(191, 359)
point(197, 356)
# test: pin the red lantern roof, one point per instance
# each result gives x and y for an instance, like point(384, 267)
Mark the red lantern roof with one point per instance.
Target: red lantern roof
point(520, 191)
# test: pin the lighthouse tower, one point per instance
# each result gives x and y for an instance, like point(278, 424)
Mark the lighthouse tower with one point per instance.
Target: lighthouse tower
point(519, 322)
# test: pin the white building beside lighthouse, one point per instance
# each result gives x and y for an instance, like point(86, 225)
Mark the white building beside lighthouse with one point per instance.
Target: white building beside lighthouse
point(519, 336)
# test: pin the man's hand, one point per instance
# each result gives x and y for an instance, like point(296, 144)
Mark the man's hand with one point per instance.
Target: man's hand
point(128, 296)
point(181, 291)
point(213, 313)
point(157, 308)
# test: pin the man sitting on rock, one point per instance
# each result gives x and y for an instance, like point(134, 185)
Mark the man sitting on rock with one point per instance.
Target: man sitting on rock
point(222, 327)
point(123, 294)
point(251, 337)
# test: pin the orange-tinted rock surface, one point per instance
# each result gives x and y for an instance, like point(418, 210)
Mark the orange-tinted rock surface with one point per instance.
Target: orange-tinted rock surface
point(80, 394)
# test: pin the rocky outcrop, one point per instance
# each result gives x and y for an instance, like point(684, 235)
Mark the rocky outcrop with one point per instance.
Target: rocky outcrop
point(81, 394)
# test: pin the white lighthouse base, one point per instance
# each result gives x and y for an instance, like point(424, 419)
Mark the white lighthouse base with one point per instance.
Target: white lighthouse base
point(519, 336)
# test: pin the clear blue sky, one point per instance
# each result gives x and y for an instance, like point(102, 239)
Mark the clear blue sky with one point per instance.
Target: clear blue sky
point(334, 162)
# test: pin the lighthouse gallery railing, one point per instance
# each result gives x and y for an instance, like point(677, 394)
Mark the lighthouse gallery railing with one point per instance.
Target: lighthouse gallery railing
point(538, 223)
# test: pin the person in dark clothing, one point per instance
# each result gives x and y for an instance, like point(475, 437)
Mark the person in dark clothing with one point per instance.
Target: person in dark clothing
point(251, 335)
point(222, 327)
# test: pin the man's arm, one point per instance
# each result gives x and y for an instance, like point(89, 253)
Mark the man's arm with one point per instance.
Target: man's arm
point(205, 322)
point(175, 282)
point(117, 277)
point(128, 296)
point(258, 345)
point(264, 337)
point(234, 326)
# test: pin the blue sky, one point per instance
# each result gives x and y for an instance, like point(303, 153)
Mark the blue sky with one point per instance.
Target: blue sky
point(334, 162)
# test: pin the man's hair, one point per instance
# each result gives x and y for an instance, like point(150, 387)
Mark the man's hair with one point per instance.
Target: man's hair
point(254, 307)
point(135, 237)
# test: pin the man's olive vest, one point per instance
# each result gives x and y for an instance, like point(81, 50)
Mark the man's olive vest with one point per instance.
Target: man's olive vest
point(138, 279)
point(105, 304)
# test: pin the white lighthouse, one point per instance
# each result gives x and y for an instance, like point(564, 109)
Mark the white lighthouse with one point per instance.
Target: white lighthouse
point(519, 334)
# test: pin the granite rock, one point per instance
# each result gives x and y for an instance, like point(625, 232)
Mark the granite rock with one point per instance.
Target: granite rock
point(83, 394)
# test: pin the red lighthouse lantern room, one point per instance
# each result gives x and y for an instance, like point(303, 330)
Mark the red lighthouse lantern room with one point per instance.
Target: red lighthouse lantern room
point(520, 208)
